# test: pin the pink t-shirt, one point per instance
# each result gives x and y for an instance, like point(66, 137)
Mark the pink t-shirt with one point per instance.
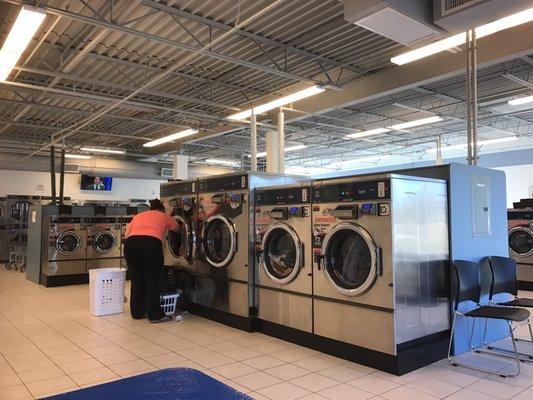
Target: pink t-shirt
point(151, 223)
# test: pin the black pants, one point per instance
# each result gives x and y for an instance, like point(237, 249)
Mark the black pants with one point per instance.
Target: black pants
point(144, 255)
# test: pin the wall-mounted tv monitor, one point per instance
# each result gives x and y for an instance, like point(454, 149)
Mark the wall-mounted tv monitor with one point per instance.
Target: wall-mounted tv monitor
point(89, 182)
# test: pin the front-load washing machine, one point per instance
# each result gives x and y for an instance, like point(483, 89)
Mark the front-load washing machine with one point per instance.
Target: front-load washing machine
point(226, 256)
point(520, 224)
point(180, 200)
point(103, 242)
point(63, 251)
point(284, 249)
point(380, 264)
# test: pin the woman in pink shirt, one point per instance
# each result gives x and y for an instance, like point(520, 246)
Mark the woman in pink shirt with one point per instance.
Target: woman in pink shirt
point(143, 250)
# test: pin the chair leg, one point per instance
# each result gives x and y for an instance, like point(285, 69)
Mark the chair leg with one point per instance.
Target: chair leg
point(517, 358)
point(457, 364)
point(530, 334)
point(524, 357)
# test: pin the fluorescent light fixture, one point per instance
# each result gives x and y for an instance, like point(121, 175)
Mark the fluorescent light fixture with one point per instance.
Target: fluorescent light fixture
point(430, 49)
point(302, 94)
point(94, 150)
point(28, 21)
point(453, 41)
point(370, 132)
point(505, 23)
point(416, 122)
point(78, 156)
point(170, 138)
point(287, 149)
point(226, 163)
point(397, 127)
point(521, 100)
point(357, 160)
point(480, 143)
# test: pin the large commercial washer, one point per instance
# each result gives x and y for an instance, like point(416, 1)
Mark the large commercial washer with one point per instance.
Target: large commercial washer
point(64, 250)
point(380, 262)
point(103, 242)
point(284, 248)
point(520, 225)
point(226, 256)
point(180, 200)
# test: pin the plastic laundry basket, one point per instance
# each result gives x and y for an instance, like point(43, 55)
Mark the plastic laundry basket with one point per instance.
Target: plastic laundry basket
point(169, 302)
point(107, 286)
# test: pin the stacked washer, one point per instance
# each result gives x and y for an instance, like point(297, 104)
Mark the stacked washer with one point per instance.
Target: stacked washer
point(4, 247)
point(520, 225)
point(226, 256)
point(180, 200)
point(380, 264)
point(284, 246)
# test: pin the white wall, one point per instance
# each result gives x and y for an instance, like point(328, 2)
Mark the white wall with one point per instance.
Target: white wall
point(519, 180)
point(38, 184)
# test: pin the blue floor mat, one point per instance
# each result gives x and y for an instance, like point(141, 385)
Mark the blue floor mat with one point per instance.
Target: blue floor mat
point(166, 384)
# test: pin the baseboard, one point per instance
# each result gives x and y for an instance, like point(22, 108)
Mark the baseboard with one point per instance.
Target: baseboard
point(525, 285)
point(236, 321)
point(64, 280)
point(417, 355)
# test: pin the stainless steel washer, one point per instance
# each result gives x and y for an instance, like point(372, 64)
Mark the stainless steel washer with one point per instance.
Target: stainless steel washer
point(103, 242)
point(380, 250)
point(284, 248)
point(520, 225)
point(64, 248)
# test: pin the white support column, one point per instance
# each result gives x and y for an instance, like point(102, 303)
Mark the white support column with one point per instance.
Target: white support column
point(272, 157)
point(180, 166)
point(253, 143)
point(281, 142)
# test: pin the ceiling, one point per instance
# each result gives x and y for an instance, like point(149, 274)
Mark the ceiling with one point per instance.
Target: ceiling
point(90, 54)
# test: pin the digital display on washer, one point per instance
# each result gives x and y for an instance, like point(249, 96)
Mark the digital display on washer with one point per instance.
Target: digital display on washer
point(514, 215)
point(352, 191)
point(176, 189)
point(294, 195)
point(228, 183)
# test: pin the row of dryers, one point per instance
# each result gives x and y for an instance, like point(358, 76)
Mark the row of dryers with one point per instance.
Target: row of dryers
point(354, 263)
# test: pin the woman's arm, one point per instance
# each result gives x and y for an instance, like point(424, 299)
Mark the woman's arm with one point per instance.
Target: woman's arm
point(172, 224)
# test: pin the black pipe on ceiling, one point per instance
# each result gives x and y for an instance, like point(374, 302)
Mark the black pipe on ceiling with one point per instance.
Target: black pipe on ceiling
point(62, 177)
point(53, 174)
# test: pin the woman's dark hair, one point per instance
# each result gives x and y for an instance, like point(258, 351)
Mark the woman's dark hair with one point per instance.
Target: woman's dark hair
point(156, 204)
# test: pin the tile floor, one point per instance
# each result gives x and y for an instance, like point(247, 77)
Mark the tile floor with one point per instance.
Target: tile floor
point(49, 343)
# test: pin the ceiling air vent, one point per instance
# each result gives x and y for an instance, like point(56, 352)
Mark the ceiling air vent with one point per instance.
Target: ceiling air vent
point(72, 168)
point(167, 172)
point(450, 6)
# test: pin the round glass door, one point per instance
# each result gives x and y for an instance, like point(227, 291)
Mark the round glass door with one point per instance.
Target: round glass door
point(104, 241)
point(180, 242)
point(349, 254)
point(282, 253)
point(68, 243)
point(219, 241)
point(521, 241)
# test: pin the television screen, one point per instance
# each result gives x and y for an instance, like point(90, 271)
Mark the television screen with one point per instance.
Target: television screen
point(89, 182)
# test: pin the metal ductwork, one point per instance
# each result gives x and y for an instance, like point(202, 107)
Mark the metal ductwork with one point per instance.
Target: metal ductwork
point(460, 15)
point(404, 21)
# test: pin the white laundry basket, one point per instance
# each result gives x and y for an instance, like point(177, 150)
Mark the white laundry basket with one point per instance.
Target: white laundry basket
point(107, 286)
point(169, 302)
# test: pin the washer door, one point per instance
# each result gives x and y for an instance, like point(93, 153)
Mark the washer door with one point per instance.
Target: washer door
point(350, 259)
point(282, 256)
point(181, 242)
point(521, 241)
point(219, 240)
point(68, 243)
point(104, 241)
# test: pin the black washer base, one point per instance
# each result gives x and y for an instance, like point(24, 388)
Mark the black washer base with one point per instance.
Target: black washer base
point(64, 280)
point(409, 358)
point(236, 321)
point(525, 285)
